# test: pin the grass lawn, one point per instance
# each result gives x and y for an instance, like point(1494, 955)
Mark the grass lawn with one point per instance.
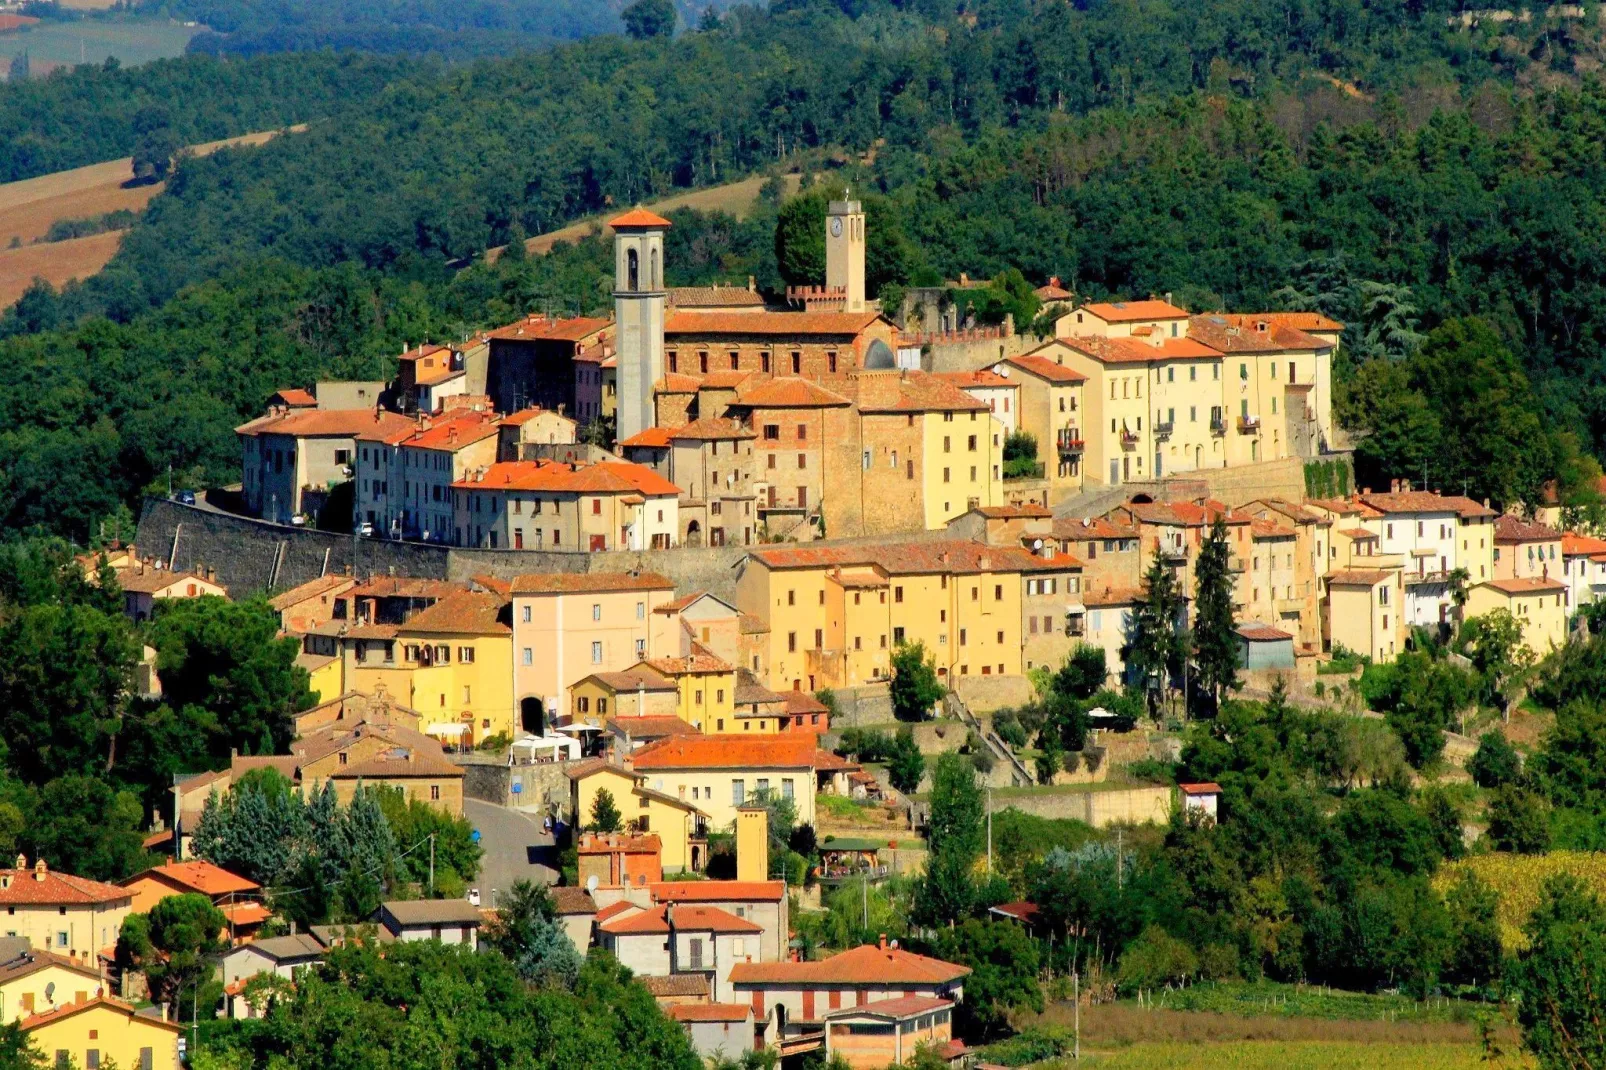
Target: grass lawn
point(1297, 1055)
point(1307, 1001)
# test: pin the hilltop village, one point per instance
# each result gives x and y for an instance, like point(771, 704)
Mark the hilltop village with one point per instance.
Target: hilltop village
point(930, 521)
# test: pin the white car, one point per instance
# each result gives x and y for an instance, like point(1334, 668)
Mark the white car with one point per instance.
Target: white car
point(474, 897)
point(366, 530)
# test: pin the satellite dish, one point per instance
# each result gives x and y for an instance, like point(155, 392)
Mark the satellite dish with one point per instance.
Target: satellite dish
point(50, 992)
point(1037, 544)
point(879, 355)
point(591, 884)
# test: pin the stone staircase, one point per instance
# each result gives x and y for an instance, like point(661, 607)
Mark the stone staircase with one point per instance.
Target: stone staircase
point(1019, 775)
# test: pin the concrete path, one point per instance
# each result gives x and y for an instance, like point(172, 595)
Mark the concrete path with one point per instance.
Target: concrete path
point(515, 849)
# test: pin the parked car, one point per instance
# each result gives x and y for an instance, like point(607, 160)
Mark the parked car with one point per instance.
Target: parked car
point(186, 497)
point(366, 530)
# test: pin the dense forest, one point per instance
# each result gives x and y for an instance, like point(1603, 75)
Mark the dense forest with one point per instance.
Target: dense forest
point(1381, 163)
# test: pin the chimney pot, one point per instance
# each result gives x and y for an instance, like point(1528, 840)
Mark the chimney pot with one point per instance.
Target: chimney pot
point(883, 941)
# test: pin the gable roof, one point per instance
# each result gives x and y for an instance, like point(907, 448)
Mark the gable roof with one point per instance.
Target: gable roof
point(31, 961)
point(716, 891)
point(639, 677)
point(791, 750)
point(951, 556)
point(787, 393)
point(677, 984)
point(653, 437)
point(1045, 368)
point(843, 324)
point(572, 901)
point(1525, 585)
point(433, 911)
point(68, 1010)
point(329, 423)
point(539, 328)
point(598, 477)
point(198, 876)
point(283, 948)
point(589, 582)
point(461, 613)
point(648, 728)
point(1139, 351)
point(709, 1012)
point(981, 377)
point(1573, 544)
point(26, 886)
point(714, 296)
point(887, 391)
point(639, 217)
point(903, 1007)
point(311, 589)
point(712, 428)
point(662, 918)
point(1132, 311)
point(866, 965)
point(1509, 528)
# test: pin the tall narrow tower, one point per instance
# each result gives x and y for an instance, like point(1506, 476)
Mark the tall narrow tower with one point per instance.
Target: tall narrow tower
point(844, 252)
point(639, 302)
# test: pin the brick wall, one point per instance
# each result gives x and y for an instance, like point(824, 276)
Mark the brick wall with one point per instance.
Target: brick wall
point(1097, 808)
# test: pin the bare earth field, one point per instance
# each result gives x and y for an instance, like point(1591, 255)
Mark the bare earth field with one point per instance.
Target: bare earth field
point(737, 198)
point(29, 207)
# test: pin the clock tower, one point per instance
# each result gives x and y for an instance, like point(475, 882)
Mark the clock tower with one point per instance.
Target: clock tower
point(844, 252)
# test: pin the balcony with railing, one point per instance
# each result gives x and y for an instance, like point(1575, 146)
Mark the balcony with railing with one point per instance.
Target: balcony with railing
point(1171, 550)
point(1248, 425)
point(1218, 424)
point(1069, 440)
point(1163, 429)
point(1128, 438)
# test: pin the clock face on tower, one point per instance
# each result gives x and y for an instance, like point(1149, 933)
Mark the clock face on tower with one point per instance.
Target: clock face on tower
point(836, 226)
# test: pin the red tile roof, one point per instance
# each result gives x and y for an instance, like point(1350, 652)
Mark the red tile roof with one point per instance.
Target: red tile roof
point(840, 324)
point(712, 428)
point(461, 613)
point(1256, 632)
point(1302, 321)
point(711, 1012)
point(613, 910)
point(589, 582)
point(1209, 787)
point(677, 984)
point(1525, 585)
point(1020, 910)
point(638, 218)
point(601, 477)
point(603, 844)
point(1283, 333)
point(573, 901)
point(658, 437)
point(636, 678)
point(1215, 332)
point(696, 919)
point(788, 393)
point(645, 728)
point(802, 702)
point(1112, 596)
point(982, 377)
point(1132, 311)
point(29, 1024)
point(202, 877)
point(29, 887)
point(1030, 510)
point(692, 663)
point(1044, 368)
point(296, 398)
point(792, 750)
point(716, 891)
point(724, 380)
point(1138, 351)
point(524, 416)
point(1514, 529)
point(329, 423)
point(676, 383)
point(865, 965)
point(453, 432)
point(714, 297)
point(1358, 577)
point(953, 556)
point(1411, 501)
point(886, 391)
point(537, 328)
point(1573, 544)
point(1093, 527)
point(903, 1007)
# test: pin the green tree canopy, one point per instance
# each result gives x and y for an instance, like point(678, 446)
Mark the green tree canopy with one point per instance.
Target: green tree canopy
point(915, 688)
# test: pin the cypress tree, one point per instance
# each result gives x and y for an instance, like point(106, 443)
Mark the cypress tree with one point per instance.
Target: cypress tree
point(1215, 643)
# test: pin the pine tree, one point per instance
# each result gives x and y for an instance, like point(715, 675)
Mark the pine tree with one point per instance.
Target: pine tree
point(1214, 639)
point(1155, 646)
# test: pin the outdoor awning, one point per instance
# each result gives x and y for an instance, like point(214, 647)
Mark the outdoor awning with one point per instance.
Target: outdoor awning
point(578, 727)
point(439, 729)
point(1074, 608)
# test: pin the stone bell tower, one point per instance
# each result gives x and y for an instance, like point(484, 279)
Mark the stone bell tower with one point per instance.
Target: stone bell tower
point(844, 252)
point(639, 303)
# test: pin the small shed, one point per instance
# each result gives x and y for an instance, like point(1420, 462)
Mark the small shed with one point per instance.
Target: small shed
point(1260, 646)
point(845, 858)
point(1201, 797)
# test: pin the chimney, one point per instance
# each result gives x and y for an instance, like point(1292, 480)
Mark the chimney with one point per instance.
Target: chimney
point(39, 870)
point(1054, 281)
point(882, 942)
point(752, 284)
point(22, 862)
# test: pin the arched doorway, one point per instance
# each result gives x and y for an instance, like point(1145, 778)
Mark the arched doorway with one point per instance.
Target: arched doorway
point(694, 534)
point(532, 717)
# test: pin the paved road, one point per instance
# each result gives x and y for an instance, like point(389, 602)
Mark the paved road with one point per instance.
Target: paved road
point(515, 848)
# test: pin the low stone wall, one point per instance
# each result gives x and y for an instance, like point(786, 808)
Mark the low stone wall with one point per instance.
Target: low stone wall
point(544, 785)
point(984, 694)
point(870, 704)
point(1284, 478)
point(1100, 809)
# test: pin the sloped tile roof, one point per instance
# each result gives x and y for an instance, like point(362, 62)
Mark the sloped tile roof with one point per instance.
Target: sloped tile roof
point(788, 393)
point(710, 1012)
point(1133, 311)
point(867, 964)
point(461, 613)
point(1137, 351)
point(1046, 368)
point(800, 324)
point(982, 377)
point(1526, 585)
point(714, 296)
point(638, 217)
point(793, 750)
point(202, 877)
point(716, 891)
point(712, 428)
point(589, 582)
point(694, 918)
point(677, 984)
point(601, 477)
point(329, 423)
point(886, 391)
point(27, 887)
point(537, 328)
point(657, 437)
point(1514, 529)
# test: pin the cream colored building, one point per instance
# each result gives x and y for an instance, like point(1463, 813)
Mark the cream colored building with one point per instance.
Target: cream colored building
point(549, 505)
point(718, 774)
point(1050, 409)
point(1539, 605)
point(1363, 611)
point(61, 913)
point(567, 626)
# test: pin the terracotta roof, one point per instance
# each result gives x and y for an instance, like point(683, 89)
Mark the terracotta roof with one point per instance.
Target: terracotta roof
point(1020, 910)
point(1270, 529)
point(885, 391)
point(749, 692)
point(1093, 527)
point(1044, 368)
point(691, 663)
point(1209, 787)
point(677, 984)
point(1257, 632)
point(627, 843)
point(589, 582)
point(537, 328)
point(1358, 577)
point(296, 398)
point(1525, 585)
point(461, 613)
point(1358, 534)
point(752, 624)
point(403, 587)
point(1215, 332)
point(676, 383)
point(697, 919)
point(903, 1007)
point(1138, 351)
point(645, 728)
point(1186, 514)
point(581, 770)
point(1303, 321)
point(792, 750)
point(712, 428)
point(715, 296)
point(788, 393)
point(572, 901)
point(653, 436)
point(310, 589)
point(453, 432)
point(415, 763)
point(728, 379)
point(157, 580)
point(1112, 596)
point(798, 701)
point(842, 324)
point(867, 964)
point(716, 891)
point(827, 762)
point(245, 913)
point(67, 1011)
point(1514, 529)
point(638, 217)
point(1279, 328)
point(982, 377)
point(1410, 501)
point(494, 584)
point(635, 678)
point(1132, 311)
point(1573, 544)
point(328, 423)
point(685, 601)
point(1469, 508)
point(28, 887)
point(524, 416)
point(201, 877)
point(613, 910)
point(1053, 291)
point(1030, 510)
point(710, 1012)
point(600, 477)
point(31, 961)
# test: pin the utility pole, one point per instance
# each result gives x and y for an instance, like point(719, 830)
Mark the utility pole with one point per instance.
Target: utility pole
point(1076, 1012)
point(432, 865)
point(1118, 859)
point(864, 885)
point(989, 830)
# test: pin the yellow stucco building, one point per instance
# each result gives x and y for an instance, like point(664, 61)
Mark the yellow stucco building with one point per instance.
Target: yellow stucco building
point(1539, 605)
point(35, 982)
point(68, 915)
point(682, 826)
point(705, 689)
point(102, 1030)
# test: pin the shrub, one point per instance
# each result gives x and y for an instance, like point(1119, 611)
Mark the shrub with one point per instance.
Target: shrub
point(1496, 762)
point(1155, 958)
